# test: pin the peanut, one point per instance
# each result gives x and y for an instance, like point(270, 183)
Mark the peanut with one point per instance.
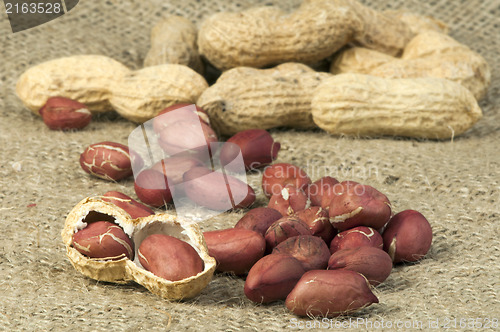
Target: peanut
point(285, 228)
point(311, 251)
point(108, 160)
point(229, 40)
point(217, 191)
point(247, 98)
point(446, 58)
point(289, 201)
point(85, 78)
point(173, 40)
point(265, 36)
point(188, 138)
point(407, 237)
point(235, 249)
point(357, 237)
point(131, 206)
point(418, 23)
point(160, 122)
point(318, 221)
point(104, 84)
point(258, 219)
point(169, 258)
point(142, 94)
point(321, 191)
point(375, 264)
point(359, 205)
point(61, 113)
point(330, 293)
point(278, 176)
point(357, 104)
point(272, 278)
point(175, 167)
point(257, 148)
point(102, 239)
point(152, 188)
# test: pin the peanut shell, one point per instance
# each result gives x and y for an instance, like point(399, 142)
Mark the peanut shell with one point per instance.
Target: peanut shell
point(85, 78)
point(142, 94)
point(124, 270)
point(365, 105)
point(173, 40)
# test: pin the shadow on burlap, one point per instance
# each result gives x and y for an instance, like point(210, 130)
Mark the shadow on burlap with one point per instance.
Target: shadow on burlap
point(454, 183)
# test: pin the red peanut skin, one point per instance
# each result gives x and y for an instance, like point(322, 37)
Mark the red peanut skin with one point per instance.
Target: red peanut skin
point(277, 176)
point(258, 219)
point(360, 236)
point(169, 258)
point(289, 201)
point(152, 188)
point(184, 138)
point(235, 249)
point(175, 167)
point(272, 278)
point(257, 147)
point(285, 228)
point(131, 206)
point(102, 239)
point(359, 205)
point(159, 123)
point(311, 251)
point(107, 160)
point(407, 237)
point(330, 293)
point(60, 113)
point(317, 219)
point(216, 191)
point(321, 191)
point(375, 264)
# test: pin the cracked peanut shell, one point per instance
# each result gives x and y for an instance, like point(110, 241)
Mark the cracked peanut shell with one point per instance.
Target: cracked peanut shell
point(124, 270)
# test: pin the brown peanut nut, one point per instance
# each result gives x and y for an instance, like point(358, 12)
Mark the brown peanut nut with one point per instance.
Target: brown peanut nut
point(360, 236)
point(257, 147)
point(152, 188)
point(359, 205)
point(289, 201)
point(407, 237)
point(217, 191)
point(318, 221)
point(108, 160)
point(175, 167)
point(320, 192)
point(188, 139)
point(159, 122)
point(258, 219)
point(235, 249)
point(311, 251)
point(278, 176)
point(103, 239)
point(272, 278)
point(285, 228)
point(61, 113)
point(375, 264)
point(169, 258)
point(131, 206)
point(330, 293)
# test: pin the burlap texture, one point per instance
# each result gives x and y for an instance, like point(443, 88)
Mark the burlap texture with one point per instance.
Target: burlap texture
point(454, 183)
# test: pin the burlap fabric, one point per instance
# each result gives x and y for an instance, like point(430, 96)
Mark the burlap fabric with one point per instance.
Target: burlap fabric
point(456, 184)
